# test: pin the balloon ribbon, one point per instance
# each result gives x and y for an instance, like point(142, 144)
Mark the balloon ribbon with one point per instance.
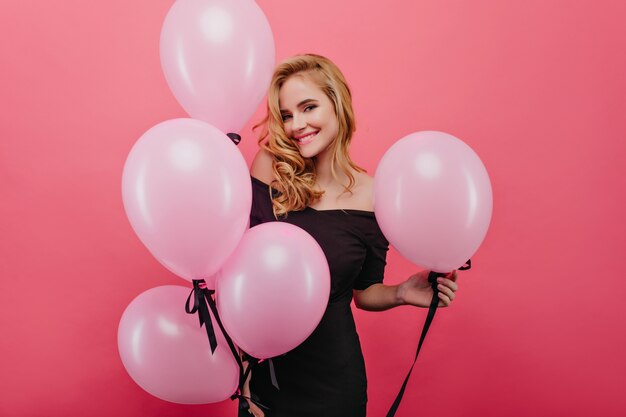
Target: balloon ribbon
point(234, 137)
point(244, 405)
point(432, 279)
point(201, 296)
point(204, 305)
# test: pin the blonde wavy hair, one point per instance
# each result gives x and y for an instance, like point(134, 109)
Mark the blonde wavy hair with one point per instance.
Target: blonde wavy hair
point(294, 175)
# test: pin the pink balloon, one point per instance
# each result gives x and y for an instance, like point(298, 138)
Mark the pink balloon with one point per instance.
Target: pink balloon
point(273, 291)
point(167, 353)
point(187, 193)
point(433, 199)
point(218, 59)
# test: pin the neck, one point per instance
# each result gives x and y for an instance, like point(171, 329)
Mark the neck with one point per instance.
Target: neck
point(323, 172)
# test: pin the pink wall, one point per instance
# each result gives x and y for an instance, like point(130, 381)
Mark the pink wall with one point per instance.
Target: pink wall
point(537, 88)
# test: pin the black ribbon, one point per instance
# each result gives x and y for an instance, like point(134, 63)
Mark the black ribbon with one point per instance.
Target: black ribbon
point(201, 296)
point(244, 405)
point(204, 305)
point(432, 279)
point(234, 137)
point(270, 362)
point(243, 402)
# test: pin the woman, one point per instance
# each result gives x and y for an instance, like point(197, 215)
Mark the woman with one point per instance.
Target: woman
point(304, 175)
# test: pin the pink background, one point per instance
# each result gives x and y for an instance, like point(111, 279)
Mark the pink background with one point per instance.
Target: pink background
point(536, 88)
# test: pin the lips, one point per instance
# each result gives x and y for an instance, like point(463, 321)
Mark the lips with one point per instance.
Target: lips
point(308, 138)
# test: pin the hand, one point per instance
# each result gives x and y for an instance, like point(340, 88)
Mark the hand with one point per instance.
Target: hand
point(254, 410)
point(417, 291)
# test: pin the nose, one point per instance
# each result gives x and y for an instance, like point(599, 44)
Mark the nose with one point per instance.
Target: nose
point(298, 122)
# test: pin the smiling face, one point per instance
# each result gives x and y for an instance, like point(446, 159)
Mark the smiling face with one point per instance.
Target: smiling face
point(308, 115)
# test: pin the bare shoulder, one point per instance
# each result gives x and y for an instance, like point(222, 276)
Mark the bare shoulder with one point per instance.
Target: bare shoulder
point(262, 166)
point(363, 191)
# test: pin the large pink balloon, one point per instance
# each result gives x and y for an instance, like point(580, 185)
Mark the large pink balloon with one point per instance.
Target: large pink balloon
point(218, 58)
point(187, 193)
point(167, 353)
point(273, 291)
point(433, 199)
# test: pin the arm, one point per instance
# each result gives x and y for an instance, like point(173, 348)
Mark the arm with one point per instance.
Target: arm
point(415, 291)
point(377, 297)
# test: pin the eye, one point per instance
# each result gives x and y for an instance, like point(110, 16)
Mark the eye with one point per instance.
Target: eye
point(285, 117)
point(309, 108)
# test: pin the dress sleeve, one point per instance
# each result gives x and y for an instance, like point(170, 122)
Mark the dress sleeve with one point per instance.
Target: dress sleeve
point(373, 269)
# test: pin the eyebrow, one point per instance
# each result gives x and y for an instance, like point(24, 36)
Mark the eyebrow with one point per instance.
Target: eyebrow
point(303, 102)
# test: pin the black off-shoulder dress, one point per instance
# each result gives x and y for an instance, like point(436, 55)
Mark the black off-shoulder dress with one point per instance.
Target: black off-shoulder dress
point(325, 375)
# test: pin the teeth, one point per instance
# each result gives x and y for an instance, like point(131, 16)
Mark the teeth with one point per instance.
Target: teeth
point(307, 137)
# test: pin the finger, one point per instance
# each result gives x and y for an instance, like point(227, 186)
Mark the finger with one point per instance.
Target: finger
point(453, 275)
point(448, 283)
point(447, 291)
point(444, 301)
point(256, 411)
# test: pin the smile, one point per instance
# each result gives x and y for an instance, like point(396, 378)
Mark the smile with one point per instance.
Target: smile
point(303, 140)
